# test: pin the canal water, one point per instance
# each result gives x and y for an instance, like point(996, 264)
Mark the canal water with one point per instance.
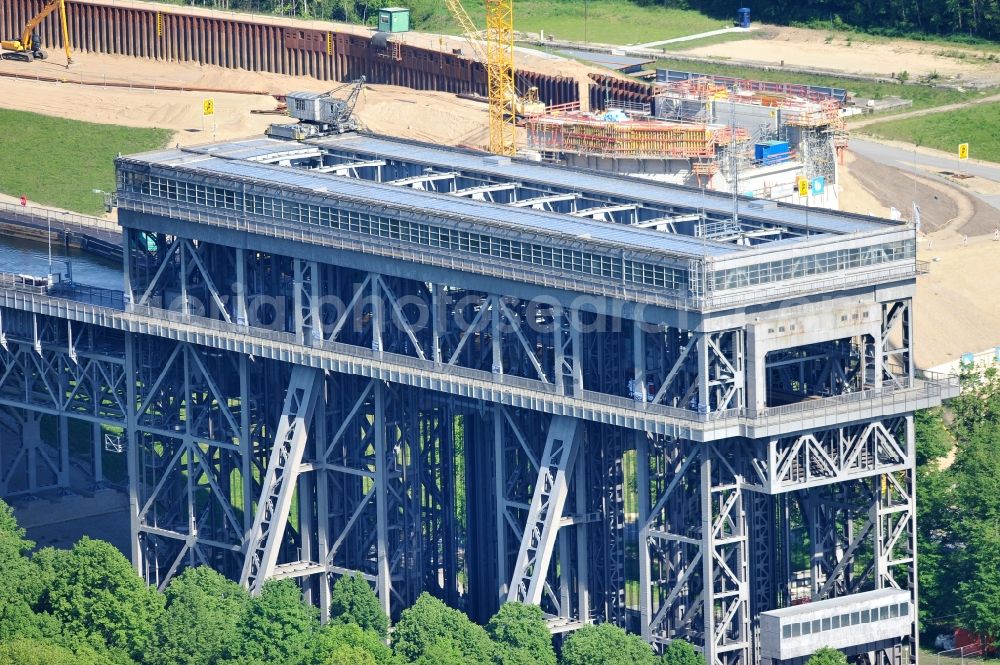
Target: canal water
point(32, 258)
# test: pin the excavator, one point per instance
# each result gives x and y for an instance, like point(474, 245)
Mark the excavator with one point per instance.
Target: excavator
point(29, 47)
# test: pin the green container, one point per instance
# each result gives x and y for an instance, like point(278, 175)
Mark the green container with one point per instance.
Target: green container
point(394, 19)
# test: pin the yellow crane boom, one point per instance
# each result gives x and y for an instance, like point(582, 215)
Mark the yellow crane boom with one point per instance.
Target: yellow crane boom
point(26, 48)
point(457, 10)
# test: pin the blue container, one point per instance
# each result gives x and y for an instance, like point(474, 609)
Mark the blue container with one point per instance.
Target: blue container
point(744, 19)
point(771, 152)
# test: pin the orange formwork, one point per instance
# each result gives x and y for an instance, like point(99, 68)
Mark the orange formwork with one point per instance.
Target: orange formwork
point(591, 135)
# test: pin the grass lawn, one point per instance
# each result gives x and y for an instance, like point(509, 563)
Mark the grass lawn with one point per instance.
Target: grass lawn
point(604, 21)
point(979, 126)
point(923, 96)
point(60, 162)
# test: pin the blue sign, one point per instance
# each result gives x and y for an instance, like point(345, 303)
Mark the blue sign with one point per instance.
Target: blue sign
point(818, 186)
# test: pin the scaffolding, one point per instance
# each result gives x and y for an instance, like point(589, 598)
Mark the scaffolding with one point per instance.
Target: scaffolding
point(636, 138)
point(801, 112)
point(799, 106)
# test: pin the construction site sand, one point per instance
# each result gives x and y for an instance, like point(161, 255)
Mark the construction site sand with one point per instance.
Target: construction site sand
point(429, 116)
point(808, 48)
point(957, 306)
point(853, 196)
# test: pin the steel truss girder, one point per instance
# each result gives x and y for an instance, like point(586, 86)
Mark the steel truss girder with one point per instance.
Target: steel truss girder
point(271, 517)
point(862, 534)
point(693, 553)
point(54, 366)
point(57, 369)
point(182, 267)
point(822, 457)
point(385, 493)
point(29, 464)
point(197, 441)
point(531, 568)
point(896, 343)
point(541, 340)
point(698, 370)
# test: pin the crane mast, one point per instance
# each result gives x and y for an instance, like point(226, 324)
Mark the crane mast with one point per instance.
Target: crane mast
point(500, 75)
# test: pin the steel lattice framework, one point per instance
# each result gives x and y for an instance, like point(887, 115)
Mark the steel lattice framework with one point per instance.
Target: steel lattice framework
point(500, 76)
point(293, 405)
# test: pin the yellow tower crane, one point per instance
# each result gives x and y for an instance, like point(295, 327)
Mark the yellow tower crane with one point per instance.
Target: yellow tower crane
point(498, 59)
point(28, 47)
point(500, 76)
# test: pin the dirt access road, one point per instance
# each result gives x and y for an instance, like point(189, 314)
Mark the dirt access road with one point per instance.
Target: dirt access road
point(856, 54)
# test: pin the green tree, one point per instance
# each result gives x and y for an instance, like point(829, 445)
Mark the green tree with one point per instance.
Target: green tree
point(443, 652)
point(827, 656)
point(332, 637)
point(976, 475)
point(933, 441)
point(979, 402)
point(429, 621)
point(18, 585)
point(94, 592)
point(521, 635)
point(198, 597)
point(606, 644)
point(345, 654)
point(353, 601)
point(276, 627)
point(980, 585)
point(27, 651)
point(680, 652)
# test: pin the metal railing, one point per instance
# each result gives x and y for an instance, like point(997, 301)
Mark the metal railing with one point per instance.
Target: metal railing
point(25, 283)
point(63, 221)
point(93, 295)
point(972, 653)
point(616, 288)
point(875, 402)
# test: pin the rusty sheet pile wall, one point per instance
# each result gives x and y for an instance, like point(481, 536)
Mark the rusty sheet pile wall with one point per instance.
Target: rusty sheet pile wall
point(243, 43)
point(608, 91)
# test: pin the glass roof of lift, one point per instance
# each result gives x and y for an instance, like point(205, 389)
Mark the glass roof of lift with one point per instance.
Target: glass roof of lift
point(585, 205)
point(627, 187)
point(429, 203)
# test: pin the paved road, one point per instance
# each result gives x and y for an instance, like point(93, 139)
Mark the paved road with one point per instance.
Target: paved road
point(902, 159)
point(688, 38)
